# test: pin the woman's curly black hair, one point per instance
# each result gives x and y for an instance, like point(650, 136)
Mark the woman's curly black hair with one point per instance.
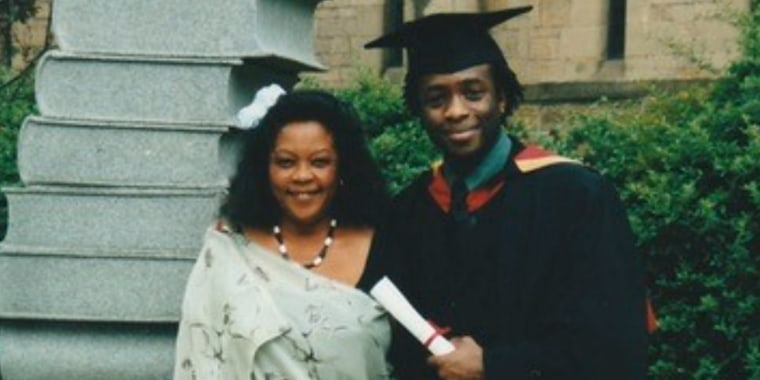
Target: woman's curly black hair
point(361, 198)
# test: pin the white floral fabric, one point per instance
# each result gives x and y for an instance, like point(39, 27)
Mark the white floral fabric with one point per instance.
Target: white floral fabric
point(249, 314)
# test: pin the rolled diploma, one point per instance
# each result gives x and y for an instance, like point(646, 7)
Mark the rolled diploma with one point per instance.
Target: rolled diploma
point(388, 295)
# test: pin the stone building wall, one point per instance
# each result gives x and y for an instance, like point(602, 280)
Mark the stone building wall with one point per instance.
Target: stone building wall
point(559, 41)
point(341, 28)
point(559, 50)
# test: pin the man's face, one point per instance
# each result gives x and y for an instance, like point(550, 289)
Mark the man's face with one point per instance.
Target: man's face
point(461, 110)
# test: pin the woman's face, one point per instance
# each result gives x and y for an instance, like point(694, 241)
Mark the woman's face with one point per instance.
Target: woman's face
point(303, 172)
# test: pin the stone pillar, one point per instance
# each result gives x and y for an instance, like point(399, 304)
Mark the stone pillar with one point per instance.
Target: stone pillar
point(122, 172)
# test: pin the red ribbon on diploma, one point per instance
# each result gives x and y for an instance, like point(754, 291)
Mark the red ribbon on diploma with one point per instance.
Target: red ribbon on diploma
point(437, 331)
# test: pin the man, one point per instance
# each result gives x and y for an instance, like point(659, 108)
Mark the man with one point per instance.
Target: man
point(527, 257)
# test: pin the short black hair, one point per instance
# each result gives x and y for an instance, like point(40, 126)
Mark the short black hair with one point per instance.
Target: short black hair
point(361, 198)
point(504, 79)
point(449, 42)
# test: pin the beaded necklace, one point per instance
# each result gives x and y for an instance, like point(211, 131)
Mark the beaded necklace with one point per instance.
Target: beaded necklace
point(318, 258)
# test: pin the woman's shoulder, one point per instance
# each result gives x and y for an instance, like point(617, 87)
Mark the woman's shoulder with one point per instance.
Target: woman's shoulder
point(222, 232)
point(220, 243)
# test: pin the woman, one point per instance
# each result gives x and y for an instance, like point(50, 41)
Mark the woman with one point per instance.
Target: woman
point(275, 292)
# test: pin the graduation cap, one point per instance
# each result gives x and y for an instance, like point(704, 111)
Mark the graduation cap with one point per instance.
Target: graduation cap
point(448, 42)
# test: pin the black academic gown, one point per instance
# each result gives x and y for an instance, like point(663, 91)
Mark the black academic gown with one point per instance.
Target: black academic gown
point(544, 277)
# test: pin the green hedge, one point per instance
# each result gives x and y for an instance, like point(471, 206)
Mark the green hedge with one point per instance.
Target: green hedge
point(687, 168)
point(687, 165)
point(16, 102)
point(396, 139)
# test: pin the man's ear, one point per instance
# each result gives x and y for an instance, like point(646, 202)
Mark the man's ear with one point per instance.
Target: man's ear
point(501, 102)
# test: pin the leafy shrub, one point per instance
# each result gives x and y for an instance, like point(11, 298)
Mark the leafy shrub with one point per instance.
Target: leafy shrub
point(12, 11)
point(690, 186)
point(16, 102)
point(395, 137)
point(403, 151)
point(687, 167)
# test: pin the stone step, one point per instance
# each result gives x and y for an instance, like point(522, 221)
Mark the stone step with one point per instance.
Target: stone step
point(148, 89)
point(91, 288)
point(95, 289)
point(43, 350)
point(56, 151)
point(126, 222)
point(281, 31)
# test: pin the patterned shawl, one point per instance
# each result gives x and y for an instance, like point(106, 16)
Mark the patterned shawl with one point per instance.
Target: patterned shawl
point(249, 314)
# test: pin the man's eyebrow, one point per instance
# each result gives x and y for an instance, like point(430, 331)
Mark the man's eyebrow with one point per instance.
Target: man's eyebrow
point(434, 87)
point(471, 81)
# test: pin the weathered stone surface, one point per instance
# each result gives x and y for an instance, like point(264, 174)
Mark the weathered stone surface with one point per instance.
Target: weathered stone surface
point(341, 32)
point(123, 172)
point(649, 23)
point(279, 29)
point(53, 151)
point(162, 90)
point(108, 221)
point(560, 40)
point(45, 350)
point(105, 289)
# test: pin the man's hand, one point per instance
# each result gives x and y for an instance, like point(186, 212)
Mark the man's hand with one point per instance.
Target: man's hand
point(464, 363)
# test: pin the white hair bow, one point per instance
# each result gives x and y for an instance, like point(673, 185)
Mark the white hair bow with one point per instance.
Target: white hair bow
point(249, 116)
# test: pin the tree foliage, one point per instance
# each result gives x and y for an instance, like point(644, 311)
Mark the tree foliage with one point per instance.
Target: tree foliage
point(687, 167)
point(395, 137)
point(12, 11)
point(16, 102)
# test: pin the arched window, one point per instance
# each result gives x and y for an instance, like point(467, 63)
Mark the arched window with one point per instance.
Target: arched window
point(616, 29)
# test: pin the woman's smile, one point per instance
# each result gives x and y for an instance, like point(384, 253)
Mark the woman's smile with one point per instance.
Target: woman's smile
point(303, 172)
